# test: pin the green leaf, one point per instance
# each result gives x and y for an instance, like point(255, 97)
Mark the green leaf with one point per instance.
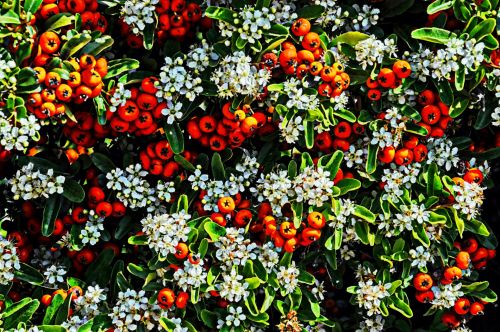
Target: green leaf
point(309, 133)
point(55, 328)
point(363, 232)
point(438, 6)
point(214, 230)
point(364, 213)
point(63, 312)
point(460, 78)
point(310, 12)
point(433, 181)
point(433, 35)
point(58, 21)
point(401, 306)
point(149, 35)
point(351, 38)
point(482, 29)
point(50, 213)
point(75, 44)
point(445, 91)
point(102, 162)
point(175, 137)
point(29, 274)
point(19, 312)
point(395, 7)
point(73, 191)
point(100, 269)
point(218, 167)
point(209, 318)
point(458, 106)
point(461, 10)
point(331, 163)
point(419, 234)
point(98, 45)
point(253, 283)
point(371, 161)
point(119, 66)
point(10, 17)
point(477, 227)
point(31, 6)
point(52, 309)
point(347, 185)
point(222, 14)
point(306, 278)
point(269, 294)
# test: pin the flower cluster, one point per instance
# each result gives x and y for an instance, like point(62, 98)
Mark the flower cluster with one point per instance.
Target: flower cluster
point(29, 183)
point(236, 75)
point(139, 14)
point(164, 231)
point(18, 136)
point(9, 261)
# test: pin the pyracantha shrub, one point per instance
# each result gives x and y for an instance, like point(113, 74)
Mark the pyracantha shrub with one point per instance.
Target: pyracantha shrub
point(232, 165)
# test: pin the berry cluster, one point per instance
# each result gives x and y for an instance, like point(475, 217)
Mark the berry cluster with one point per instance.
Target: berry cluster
point(177, 19)
point(86, 8)
point(285, 235)
point(74, 291)
point(228, 129)
point(309, 60)
point(387, 78)
point(63, 82)
point(341, 137)
point(138, 114)
point(157, 159)
point(166, 297)
point(435, 114)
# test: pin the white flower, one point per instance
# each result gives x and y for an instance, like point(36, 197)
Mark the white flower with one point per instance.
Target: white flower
point(134, 191)
point(367, 17)
point(288, 277)
point(269, 256)
point(198, 180)
point(297, 98)
point(54, 275)
point(255, 22)
point(276, 188)
point(292, 129)
point(375, 324)
point(442, 152)
point(468, 199)
point(190, 275)
point(370, 294)
point(17, 135)
point(177, 80)
point(442, 63)
point(236, 75)
point(313, 186)
point(333, 16)
point(29, 183)
point(284, 11)
point(446, 295)
point(420, 256)
point(9, 261)
point(233, 249)
point(119, 97)
point(235, 316)
point(371, 51)
point(133, 309)
point(91, 233)
point(173, 113)
point(164, 232)
point(88, 304)
point(139, 13)
point(233, 288)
